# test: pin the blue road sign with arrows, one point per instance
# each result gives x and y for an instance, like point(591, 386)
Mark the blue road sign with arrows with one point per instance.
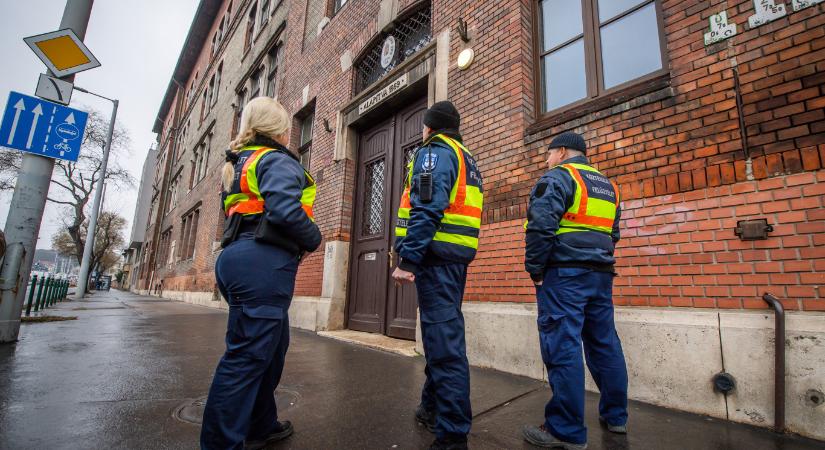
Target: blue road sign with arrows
point(44, 128)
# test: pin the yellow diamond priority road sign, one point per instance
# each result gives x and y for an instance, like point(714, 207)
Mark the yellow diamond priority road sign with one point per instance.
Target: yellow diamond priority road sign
point(62, 52)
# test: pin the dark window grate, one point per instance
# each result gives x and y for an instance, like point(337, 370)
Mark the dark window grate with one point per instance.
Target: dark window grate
point(411, 35)
point(373, 220)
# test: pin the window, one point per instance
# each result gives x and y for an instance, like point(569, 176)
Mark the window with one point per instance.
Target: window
point(264, 13)
point(204, 104)
point(255, 83)
point(272, 77)
point(589, 48)
point(305, 150)
point(218, 75)
point(406, 37)
point(215, 44)
point(240, 102)
point(189, 233)
point(211, 91)
point(339, 4)
point(250, 28)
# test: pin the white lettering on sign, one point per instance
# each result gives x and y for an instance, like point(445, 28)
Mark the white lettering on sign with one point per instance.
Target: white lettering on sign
point(720, 29)
point(802, 4)
point(766, 11)
point(383, 94)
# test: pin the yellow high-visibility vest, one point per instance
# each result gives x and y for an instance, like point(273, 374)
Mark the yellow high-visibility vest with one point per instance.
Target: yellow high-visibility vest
point(250, 201)
point(466, 202)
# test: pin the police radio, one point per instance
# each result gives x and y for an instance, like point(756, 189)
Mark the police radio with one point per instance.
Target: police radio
point(425, 181)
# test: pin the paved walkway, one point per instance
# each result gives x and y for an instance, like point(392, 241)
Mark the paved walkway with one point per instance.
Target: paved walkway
point(118, 375)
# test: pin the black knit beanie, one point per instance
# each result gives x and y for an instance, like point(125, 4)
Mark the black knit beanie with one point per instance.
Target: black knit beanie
point(442, 115)
point(570, 140)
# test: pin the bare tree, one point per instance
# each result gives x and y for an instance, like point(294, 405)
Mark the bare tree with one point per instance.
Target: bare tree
point(74, 182)
point(109, 241)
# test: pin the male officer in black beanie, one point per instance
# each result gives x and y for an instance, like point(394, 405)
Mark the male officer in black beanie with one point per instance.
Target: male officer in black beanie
point(572, 227)
point(436, 238)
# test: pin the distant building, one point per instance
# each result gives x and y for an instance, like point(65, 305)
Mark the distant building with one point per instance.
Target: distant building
point(133, 256)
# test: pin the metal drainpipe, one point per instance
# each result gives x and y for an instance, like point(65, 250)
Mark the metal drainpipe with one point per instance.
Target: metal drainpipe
point(743, 130)
point(779, 361)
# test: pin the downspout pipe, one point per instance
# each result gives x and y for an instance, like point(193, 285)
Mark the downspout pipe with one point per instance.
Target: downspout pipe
point(779, 362)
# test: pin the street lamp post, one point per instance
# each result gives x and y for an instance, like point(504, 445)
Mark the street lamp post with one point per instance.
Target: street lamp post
point(83, 277)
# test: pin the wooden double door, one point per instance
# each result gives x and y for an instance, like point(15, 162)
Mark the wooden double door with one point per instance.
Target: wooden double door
point(376, 304)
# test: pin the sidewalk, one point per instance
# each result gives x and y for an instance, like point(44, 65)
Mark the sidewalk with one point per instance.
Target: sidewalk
point(118, 375)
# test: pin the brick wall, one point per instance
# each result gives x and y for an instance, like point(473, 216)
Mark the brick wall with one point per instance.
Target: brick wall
point(674, 146)
point(678, 148)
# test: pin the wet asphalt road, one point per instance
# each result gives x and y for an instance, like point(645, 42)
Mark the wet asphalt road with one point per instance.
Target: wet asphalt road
point(115, 377)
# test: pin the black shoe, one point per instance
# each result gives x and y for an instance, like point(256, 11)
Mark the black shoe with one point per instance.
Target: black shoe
point(449, 444)
point(426, 418)
point(281, 431)
point(541, 437)
point(618, 429)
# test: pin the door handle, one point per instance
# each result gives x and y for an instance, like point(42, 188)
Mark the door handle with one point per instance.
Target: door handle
point(391, 258)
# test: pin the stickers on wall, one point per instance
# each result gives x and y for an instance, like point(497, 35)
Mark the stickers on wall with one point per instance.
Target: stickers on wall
point(799, 5)
point(766, 11)
point(720, 29)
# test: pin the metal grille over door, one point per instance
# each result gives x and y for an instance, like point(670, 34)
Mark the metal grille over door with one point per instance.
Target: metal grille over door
point(406, 38)
point(373, 220)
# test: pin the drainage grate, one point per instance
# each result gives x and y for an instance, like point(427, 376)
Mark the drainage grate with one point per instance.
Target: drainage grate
point(191, 411)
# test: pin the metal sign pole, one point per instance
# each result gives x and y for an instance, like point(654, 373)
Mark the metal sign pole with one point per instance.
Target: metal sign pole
point(29, 199)
point(83, 278)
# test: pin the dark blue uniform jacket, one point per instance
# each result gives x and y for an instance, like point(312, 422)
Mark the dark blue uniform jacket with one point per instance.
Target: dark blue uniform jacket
point(550, 199)
point(418, 248)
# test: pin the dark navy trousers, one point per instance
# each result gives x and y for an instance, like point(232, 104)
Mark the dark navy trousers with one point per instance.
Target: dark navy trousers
point(575, 307)
point(258, 281)
point(447, 387)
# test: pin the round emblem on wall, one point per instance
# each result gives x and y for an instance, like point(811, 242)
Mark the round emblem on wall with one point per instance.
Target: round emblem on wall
point(388, 52)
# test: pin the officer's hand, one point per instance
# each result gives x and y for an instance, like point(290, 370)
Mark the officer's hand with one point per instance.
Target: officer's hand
point(539, 283)
point(402, 276)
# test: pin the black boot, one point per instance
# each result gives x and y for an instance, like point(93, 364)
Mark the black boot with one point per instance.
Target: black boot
point(426, 418)
point(450, 443)
point(280, 431)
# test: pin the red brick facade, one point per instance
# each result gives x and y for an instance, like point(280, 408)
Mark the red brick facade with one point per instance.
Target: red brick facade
point(672, 143)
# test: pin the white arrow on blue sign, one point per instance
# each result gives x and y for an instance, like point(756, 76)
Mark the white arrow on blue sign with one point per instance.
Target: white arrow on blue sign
point(44, 128)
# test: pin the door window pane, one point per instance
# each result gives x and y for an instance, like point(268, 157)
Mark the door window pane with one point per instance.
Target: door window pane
point(561, 21)
point(565, 79)
point(609, 9)
point(631, 47)
point(373, 219)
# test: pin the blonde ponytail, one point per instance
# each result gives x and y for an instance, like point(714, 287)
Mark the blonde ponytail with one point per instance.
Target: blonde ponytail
point(262, 115)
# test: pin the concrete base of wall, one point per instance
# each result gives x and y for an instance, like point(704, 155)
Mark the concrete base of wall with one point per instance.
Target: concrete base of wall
point(672, 355)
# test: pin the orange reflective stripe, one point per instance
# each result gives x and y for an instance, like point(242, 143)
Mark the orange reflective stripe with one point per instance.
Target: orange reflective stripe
point(589, 220)
point(244, 181)
point(581, 186)
point(308, 210)
point(247, 207)
point(464, 210)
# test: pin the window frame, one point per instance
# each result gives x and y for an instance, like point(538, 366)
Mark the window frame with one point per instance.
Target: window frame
point(593, 61)
point(305, 148)
point(273, 65)
point(251, 26)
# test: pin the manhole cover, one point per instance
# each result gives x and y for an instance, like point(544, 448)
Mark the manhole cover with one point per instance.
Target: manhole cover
point(191, 411)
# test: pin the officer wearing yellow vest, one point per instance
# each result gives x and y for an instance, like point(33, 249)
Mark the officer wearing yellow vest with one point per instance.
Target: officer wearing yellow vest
point(267, 200)
point(436, 238)
point(572, 227)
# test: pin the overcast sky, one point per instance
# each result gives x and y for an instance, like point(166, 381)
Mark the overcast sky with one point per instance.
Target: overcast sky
point(137, 43)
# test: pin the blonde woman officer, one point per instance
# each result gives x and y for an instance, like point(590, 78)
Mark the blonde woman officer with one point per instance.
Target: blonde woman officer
point(267, 200)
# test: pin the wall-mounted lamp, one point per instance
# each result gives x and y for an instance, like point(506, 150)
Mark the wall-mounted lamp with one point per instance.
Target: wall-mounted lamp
point(465, 58)
point(326, 126)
